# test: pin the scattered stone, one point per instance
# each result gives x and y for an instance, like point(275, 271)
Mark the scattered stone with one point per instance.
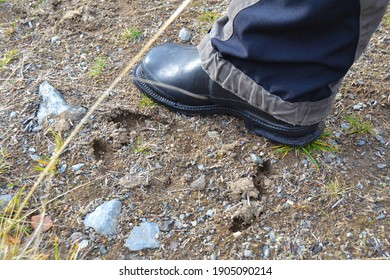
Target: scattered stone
point(380, 217)
point(345, 125)
point(266, 251)
point(361, 142)
point(351, 96)
point(380, 138)
point(381, 165)
point(213, 134)
point(77, 167)
point(36, 220)
point(105, 218)
point(199, 184)
point(83, 244)
point(350, 235)
point(362, 234)
point(185, 35)
point(13, 115)
point(201, 167)
point(143, 237)
point(54, 105)
point(76, 236)
point(167, 226)
point(120, 51)
point(5, 199)
point(248, 253)
point(316, 248)
point(339, 96)
point(210, 213)
point(63, 168)
point(131, 181)
point(358, 107)
point(35, 157)
point(103, 250)
point(55, 40)
point(256, 159)
point(360, 186)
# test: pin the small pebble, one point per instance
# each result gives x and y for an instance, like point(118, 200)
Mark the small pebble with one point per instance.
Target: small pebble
point(213, 134)
point(199, 184)
point(380, 217)
point(357, 107)
point(77, 167)
point(381, 165)
point(35, 157)
point(63, 168)
point(210, 213)
point(361, 142)
point(83, 244)
point(345, 126)
point(350, 235)
point(185, 35)
point(266, 251)
point(13, 114)
point(201, 167)
point(248, 253)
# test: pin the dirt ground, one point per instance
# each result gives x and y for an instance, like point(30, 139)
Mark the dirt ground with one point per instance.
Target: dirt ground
point(256, 204)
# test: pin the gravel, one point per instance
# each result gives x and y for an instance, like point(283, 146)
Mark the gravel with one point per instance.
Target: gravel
point(185, 35)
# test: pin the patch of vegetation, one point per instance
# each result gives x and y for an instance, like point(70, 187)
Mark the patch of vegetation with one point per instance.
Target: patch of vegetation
point(8, 57)
point(4, 165)
point(141, 149)
point(132, 34)
point(320, 145)
point(357, 125)
point(14, 231)
point(45, 160)
point(146, 102)
point(97, 67)
point(335, 188)
point(209, 16)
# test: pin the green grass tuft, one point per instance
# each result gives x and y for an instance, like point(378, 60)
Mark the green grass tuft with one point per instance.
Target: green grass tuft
point(132, 34)
point(146, 102)
point(98, 66)
point(320, 145)
point(358, 125)
point(8, 57)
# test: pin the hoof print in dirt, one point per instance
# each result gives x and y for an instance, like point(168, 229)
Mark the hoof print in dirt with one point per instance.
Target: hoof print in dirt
point(250, 207)
point(54, 106)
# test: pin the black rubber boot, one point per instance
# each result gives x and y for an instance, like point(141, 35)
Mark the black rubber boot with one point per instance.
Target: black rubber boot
point(172, 75)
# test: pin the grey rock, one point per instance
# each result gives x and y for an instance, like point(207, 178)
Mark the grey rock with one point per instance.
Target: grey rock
point(55, 40)
point(350, 235)
point(143, 237)
point(103, 250)
point(201, 167)
point(210, 213)
point(167, 226)
point(345, 126)
point(53, 104)
point(381, 165)
point(77, 167)
point(76, 236)
point(266, 251)
point(380, 217)
point(213, 134)
point(256, 159)
point(105, 217)
point(248, 253)
point(63, 168)
point(35, 157)
point(131, 181)
point(380, 138)
point(13, 114)
point(83, 244)
point(4, 200)
point(339, 96)
point(199, 184)
point(361, 142)
point(185, 35)
point(358, 107)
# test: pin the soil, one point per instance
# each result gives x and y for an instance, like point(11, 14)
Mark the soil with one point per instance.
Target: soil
point(256, 203)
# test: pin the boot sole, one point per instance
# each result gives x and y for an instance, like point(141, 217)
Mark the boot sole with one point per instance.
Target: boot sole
point(253, 124)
